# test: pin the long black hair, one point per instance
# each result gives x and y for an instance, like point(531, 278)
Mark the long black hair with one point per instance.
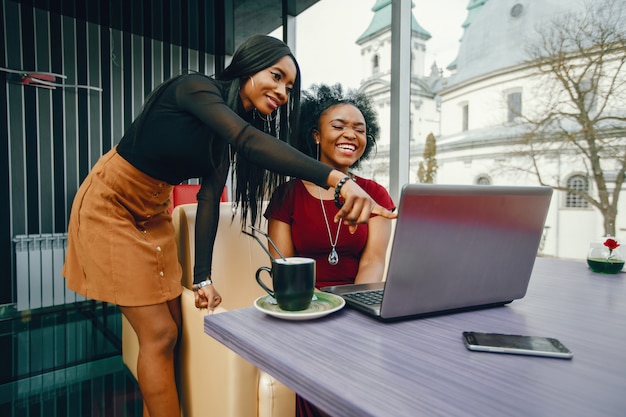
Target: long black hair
point(322, 97)
point(253, 183)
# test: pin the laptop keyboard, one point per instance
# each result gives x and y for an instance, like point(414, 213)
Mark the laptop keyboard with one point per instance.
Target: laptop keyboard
point(366, 297)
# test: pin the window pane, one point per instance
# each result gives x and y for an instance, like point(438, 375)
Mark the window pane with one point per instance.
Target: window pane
point(578, 183)
point(465, 116)
point(514, 105)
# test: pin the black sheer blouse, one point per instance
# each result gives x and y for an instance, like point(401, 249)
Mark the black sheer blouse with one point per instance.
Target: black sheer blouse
point(186, 134)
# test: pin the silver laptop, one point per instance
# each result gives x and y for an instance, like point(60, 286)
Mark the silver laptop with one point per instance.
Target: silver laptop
point(455, 248)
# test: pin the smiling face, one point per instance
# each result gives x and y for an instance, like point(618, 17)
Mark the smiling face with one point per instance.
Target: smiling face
point(269, 89)
point(342, 136)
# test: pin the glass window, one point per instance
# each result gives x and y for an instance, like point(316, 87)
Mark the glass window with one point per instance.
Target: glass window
point(375, 64)
point(514, 104)
point(577, 183)
point(465, 117)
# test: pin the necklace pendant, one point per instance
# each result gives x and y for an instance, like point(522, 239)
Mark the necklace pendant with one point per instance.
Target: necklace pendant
point(333, 258)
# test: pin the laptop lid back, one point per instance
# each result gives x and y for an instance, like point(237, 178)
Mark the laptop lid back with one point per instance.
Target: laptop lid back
point(462, 246)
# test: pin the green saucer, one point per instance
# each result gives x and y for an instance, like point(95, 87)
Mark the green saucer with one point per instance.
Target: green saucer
point(324, 304)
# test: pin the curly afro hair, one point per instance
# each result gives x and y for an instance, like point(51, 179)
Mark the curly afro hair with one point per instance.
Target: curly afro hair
point(322, 97)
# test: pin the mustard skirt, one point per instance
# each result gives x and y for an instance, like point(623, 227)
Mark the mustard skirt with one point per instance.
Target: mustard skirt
point(121, 247)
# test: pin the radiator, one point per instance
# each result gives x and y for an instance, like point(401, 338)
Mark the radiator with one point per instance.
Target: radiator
point(38, 263)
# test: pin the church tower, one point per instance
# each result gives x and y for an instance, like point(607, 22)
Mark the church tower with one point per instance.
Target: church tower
point(375, 44)
point(376, 64)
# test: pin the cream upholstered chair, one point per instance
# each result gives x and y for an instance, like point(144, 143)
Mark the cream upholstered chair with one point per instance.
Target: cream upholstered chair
point(213, 380)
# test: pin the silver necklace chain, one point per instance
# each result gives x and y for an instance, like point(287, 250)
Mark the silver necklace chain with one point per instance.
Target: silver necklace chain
point(333, 258)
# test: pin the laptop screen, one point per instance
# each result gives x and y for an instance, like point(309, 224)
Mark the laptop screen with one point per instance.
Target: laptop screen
point(463, 245)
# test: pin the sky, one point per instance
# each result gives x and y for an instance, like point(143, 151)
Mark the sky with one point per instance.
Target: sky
point(326, 37)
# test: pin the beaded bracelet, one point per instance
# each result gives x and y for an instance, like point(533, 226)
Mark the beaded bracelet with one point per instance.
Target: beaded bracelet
point(338, 203)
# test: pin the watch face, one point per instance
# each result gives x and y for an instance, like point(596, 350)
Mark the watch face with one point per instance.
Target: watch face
point(517, 10)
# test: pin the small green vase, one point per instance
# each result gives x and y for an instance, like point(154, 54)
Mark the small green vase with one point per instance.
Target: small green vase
point(604, 266)
point(604, 260)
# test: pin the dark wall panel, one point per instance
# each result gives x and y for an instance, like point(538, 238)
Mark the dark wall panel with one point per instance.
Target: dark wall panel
point(16, 126)
point(70, 136)
point(58, 128)
point(42, 140)
point(52, 136)
point(5, 221)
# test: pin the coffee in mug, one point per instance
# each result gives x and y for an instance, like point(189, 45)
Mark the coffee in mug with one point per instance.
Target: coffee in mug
point(293, 282)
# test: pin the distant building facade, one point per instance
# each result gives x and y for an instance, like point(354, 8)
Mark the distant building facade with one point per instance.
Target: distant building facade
point(474, 112)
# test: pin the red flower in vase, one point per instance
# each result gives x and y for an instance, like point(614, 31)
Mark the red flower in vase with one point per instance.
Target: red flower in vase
point(611, 244)
point(601, 262)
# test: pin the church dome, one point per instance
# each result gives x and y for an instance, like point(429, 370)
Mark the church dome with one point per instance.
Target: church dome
point(497, 36)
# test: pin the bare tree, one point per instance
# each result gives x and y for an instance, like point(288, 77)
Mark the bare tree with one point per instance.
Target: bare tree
point(427, 170)
point(581, 110)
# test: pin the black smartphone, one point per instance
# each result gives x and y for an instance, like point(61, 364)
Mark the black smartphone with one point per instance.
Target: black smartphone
point(517, 344)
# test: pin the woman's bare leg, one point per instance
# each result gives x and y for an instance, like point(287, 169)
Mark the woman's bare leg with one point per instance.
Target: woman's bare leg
point(157, 329)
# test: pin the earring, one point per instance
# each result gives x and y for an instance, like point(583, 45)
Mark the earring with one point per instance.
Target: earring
point(318, 150)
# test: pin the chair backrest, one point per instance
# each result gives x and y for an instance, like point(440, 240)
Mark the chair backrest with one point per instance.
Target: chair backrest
point(188, 193)
point(236, 256)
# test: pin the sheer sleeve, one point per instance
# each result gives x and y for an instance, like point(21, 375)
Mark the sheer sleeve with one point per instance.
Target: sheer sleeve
point(207, 219)
point(201, 97)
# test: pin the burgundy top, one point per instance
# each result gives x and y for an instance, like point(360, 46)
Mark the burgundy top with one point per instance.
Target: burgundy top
point(294, 205)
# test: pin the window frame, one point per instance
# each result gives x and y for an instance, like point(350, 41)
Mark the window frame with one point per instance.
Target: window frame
point(514, 108)
point(574, 201)
point(464, 106)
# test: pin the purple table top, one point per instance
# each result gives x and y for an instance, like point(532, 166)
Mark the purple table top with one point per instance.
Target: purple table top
point(352, 365)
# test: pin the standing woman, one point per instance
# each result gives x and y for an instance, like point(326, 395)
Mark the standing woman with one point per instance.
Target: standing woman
point(121, 246)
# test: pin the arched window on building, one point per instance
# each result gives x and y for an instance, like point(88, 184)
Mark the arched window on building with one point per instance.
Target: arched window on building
point(579, 183)
point(483, 180)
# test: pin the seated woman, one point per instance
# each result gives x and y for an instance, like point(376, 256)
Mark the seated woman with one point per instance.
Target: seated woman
point(340, 131)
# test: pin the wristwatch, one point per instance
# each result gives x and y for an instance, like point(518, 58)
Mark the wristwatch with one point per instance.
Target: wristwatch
point(202, 284)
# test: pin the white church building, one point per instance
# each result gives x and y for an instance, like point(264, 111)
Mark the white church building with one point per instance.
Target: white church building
point(475, 113)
